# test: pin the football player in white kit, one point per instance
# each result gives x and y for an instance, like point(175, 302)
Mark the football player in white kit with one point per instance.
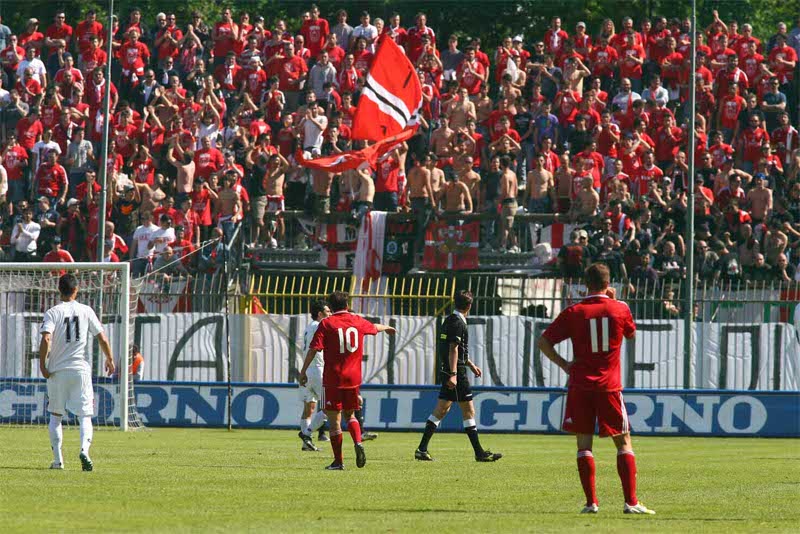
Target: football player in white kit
point(65, 337)
point(310, 393)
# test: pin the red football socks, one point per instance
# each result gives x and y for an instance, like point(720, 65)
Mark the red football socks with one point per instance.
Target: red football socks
point(586, 472)
point(336, 445)
point(355, 430)
point(626, 467)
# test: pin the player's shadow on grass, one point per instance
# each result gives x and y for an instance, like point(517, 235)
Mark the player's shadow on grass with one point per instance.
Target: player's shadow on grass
point(413, 510)
point(19, 468)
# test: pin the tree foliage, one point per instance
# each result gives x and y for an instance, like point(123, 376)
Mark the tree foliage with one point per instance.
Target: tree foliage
point(490, 20)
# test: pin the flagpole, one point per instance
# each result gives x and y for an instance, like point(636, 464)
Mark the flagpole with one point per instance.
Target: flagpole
point(690, 297)
point(101, 238)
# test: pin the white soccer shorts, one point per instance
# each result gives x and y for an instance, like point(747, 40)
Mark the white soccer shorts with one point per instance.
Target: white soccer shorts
point(312, 391)
point(70, 390)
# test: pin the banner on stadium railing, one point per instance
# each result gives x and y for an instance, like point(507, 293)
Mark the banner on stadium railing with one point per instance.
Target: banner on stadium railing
point(267, 348)
point(651, 412)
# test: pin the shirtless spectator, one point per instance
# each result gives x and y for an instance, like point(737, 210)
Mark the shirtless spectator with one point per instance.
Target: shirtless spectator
point(455, 199)
point(541, 190)
point(563, 178)
point(759, 199)
point(230, 206)
point(459, 113)
point(586, 202)
point(508, 203)
point(366, 194)
point(266, 189)
point(442, 139)
point(422, 198)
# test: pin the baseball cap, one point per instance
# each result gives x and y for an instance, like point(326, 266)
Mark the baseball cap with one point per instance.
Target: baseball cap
point(580, 24)
point(517, 39)
point(43, 198)
point(583, 233)
point(72, 202)
point(57, 240)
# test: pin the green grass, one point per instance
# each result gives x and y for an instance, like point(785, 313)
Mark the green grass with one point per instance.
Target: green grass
point(191, 480)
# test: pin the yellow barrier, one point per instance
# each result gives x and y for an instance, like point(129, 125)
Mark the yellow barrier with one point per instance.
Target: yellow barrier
point(292, 293)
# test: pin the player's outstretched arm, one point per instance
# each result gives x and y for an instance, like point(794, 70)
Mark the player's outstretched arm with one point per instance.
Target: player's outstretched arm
point(549, 350)
point(105, 346)
point(383, 328)
point(44, 349)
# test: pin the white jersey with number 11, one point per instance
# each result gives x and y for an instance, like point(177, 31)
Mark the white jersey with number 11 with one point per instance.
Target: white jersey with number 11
point(72, 326)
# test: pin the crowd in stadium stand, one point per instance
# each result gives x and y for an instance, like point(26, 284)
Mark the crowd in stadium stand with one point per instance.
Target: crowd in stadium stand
point(589, 123)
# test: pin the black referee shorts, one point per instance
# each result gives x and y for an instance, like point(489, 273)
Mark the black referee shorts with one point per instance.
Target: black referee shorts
point(461, 393)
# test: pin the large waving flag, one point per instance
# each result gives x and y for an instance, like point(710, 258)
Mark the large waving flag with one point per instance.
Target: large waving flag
point(392, 95)
point(353, 159)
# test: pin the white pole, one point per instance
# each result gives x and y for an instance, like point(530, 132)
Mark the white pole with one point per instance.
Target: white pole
point(124, 377)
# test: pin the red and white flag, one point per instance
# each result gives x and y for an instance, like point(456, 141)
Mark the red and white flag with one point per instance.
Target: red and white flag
point(353, 159)
point(557, 234)
point(392, 95)
point(452, 248)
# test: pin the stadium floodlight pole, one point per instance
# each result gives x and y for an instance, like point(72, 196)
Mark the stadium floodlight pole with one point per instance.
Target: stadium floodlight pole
point(101, 239)
point(689, 315)
point(226, 281)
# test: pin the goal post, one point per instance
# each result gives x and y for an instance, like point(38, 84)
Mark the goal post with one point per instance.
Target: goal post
point(27, 290)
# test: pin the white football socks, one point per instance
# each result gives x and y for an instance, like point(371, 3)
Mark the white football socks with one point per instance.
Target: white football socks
point(304, 425)
point(56, 437)
point(86, 433)
point(317, 420)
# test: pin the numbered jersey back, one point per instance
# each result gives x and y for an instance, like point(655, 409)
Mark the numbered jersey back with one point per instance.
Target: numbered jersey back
point(341, 338)
point(71, 326)
point(596, 326)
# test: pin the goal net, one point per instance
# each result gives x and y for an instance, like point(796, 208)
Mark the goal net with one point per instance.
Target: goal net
point(26, 292)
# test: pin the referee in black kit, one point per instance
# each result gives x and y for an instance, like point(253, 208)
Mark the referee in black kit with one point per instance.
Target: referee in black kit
point(454, 360)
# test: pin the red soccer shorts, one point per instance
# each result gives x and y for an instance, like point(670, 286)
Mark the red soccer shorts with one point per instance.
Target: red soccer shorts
point(584, 408)
point(341, 399)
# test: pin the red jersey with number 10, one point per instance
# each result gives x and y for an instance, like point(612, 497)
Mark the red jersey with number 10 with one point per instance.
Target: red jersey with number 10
point(341, 338)
point(596, 326)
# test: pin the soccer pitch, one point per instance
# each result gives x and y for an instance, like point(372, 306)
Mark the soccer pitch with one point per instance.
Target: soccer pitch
point(194, 480)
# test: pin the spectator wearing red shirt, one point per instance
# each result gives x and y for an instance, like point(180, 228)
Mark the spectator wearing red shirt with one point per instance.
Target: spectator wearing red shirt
point(785, 138)
point(32, 37)
point(415, 43)
point(95, 91)
point(631, 59)
point(362, 56)
point(731, 74)
point(28, 87)
point(782, 61)
point(88, 28)
point(143, 167)
point(733, 192)
point(720, 52)
point(750, 143)
point(647, 173)
point(292, 72)
point(10, 57)
point(224, 36)
point(395, 31)
point(58, 34)
point(668, 140)
point(315, 30)
point(15, 160)
point(208, 160)
point(51, 180)
point(29, 129)
point(335, 52)
point(167, 41)
point(227, 74)
point(749, 60)
point(729, 109)
point(604, 60)
point(554, 37)
point(133, 56)
point(471, 73)
point(57, 254)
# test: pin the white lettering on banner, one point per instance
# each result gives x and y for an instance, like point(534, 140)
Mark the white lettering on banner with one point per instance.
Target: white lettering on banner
point(644, 407)
point(373, 399)
point(502, 420)
point(757, 419)
point(405, 404)
point(673, 405)
point(534, 403)
point(555, 413)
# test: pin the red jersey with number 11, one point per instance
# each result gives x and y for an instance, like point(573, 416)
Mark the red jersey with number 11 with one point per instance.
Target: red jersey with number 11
point(341, 338)
point(596, 326)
